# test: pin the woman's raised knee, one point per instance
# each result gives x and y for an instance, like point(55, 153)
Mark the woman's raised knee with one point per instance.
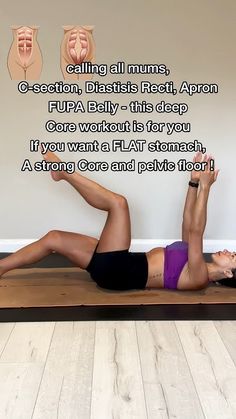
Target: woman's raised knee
point(120, 201)
point(52, 238)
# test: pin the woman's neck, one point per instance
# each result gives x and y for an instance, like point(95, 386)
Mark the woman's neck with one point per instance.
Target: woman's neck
point(213, 272)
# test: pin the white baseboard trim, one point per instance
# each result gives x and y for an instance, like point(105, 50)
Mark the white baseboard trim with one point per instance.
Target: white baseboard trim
point(137, 245)
point(12, 245)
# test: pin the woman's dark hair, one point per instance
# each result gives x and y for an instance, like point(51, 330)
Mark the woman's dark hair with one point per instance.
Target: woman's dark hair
point(229, 282)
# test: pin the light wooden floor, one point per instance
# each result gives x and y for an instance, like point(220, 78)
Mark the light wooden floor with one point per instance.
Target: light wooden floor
point(118, 370)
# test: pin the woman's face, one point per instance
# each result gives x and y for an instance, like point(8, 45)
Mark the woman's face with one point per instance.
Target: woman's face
point(224, 259)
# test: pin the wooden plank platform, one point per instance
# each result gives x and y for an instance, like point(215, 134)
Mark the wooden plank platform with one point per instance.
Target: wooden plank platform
point(69, 293)
point(62, 287)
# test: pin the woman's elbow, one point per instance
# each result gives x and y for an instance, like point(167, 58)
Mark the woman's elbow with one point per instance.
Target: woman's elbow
point(196, 230)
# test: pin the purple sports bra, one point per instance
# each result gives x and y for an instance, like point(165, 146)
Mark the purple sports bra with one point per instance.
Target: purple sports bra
point(176, 256)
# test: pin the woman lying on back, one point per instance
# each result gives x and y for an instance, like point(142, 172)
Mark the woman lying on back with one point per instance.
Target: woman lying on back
point(108, 260)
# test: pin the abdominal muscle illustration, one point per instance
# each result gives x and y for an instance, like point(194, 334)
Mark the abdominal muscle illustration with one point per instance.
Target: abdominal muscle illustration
point(77, 47)
point(25, 59)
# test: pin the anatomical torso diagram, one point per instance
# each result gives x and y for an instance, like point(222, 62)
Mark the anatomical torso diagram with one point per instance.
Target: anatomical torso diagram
point(77, 47)
point(25, 59)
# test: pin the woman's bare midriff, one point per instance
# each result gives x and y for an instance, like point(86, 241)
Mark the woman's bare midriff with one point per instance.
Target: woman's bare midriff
point(155, 258)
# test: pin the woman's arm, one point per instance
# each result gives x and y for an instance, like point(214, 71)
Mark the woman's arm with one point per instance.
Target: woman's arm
point(197, 276)
point(188, 211)
point(207, 178)
point(190, 200)
point(199, 215)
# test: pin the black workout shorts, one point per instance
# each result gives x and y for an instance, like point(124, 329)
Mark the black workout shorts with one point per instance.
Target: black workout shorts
point(119, 270)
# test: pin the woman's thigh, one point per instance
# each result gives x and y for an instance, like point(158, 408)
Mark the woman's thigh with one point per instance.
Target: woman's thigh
point(116, 234)
point(76, 247)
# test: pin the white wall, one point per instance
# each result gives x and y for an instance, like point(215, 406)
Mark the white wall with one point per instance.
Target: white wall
point(196, 40)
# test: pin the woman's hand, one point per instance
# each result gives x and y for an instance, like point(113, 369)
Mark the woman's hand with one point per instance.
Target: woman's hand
point(195, 175)
point(207, 177)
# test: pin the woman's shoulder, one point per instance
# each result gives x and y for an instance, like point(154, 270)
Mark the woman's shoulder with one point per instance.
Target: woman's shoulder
point(178, 245)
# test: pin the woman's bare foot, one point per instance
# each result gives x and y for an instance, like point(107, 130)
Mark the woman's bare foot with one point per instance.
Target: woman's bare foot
point(57, 175)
